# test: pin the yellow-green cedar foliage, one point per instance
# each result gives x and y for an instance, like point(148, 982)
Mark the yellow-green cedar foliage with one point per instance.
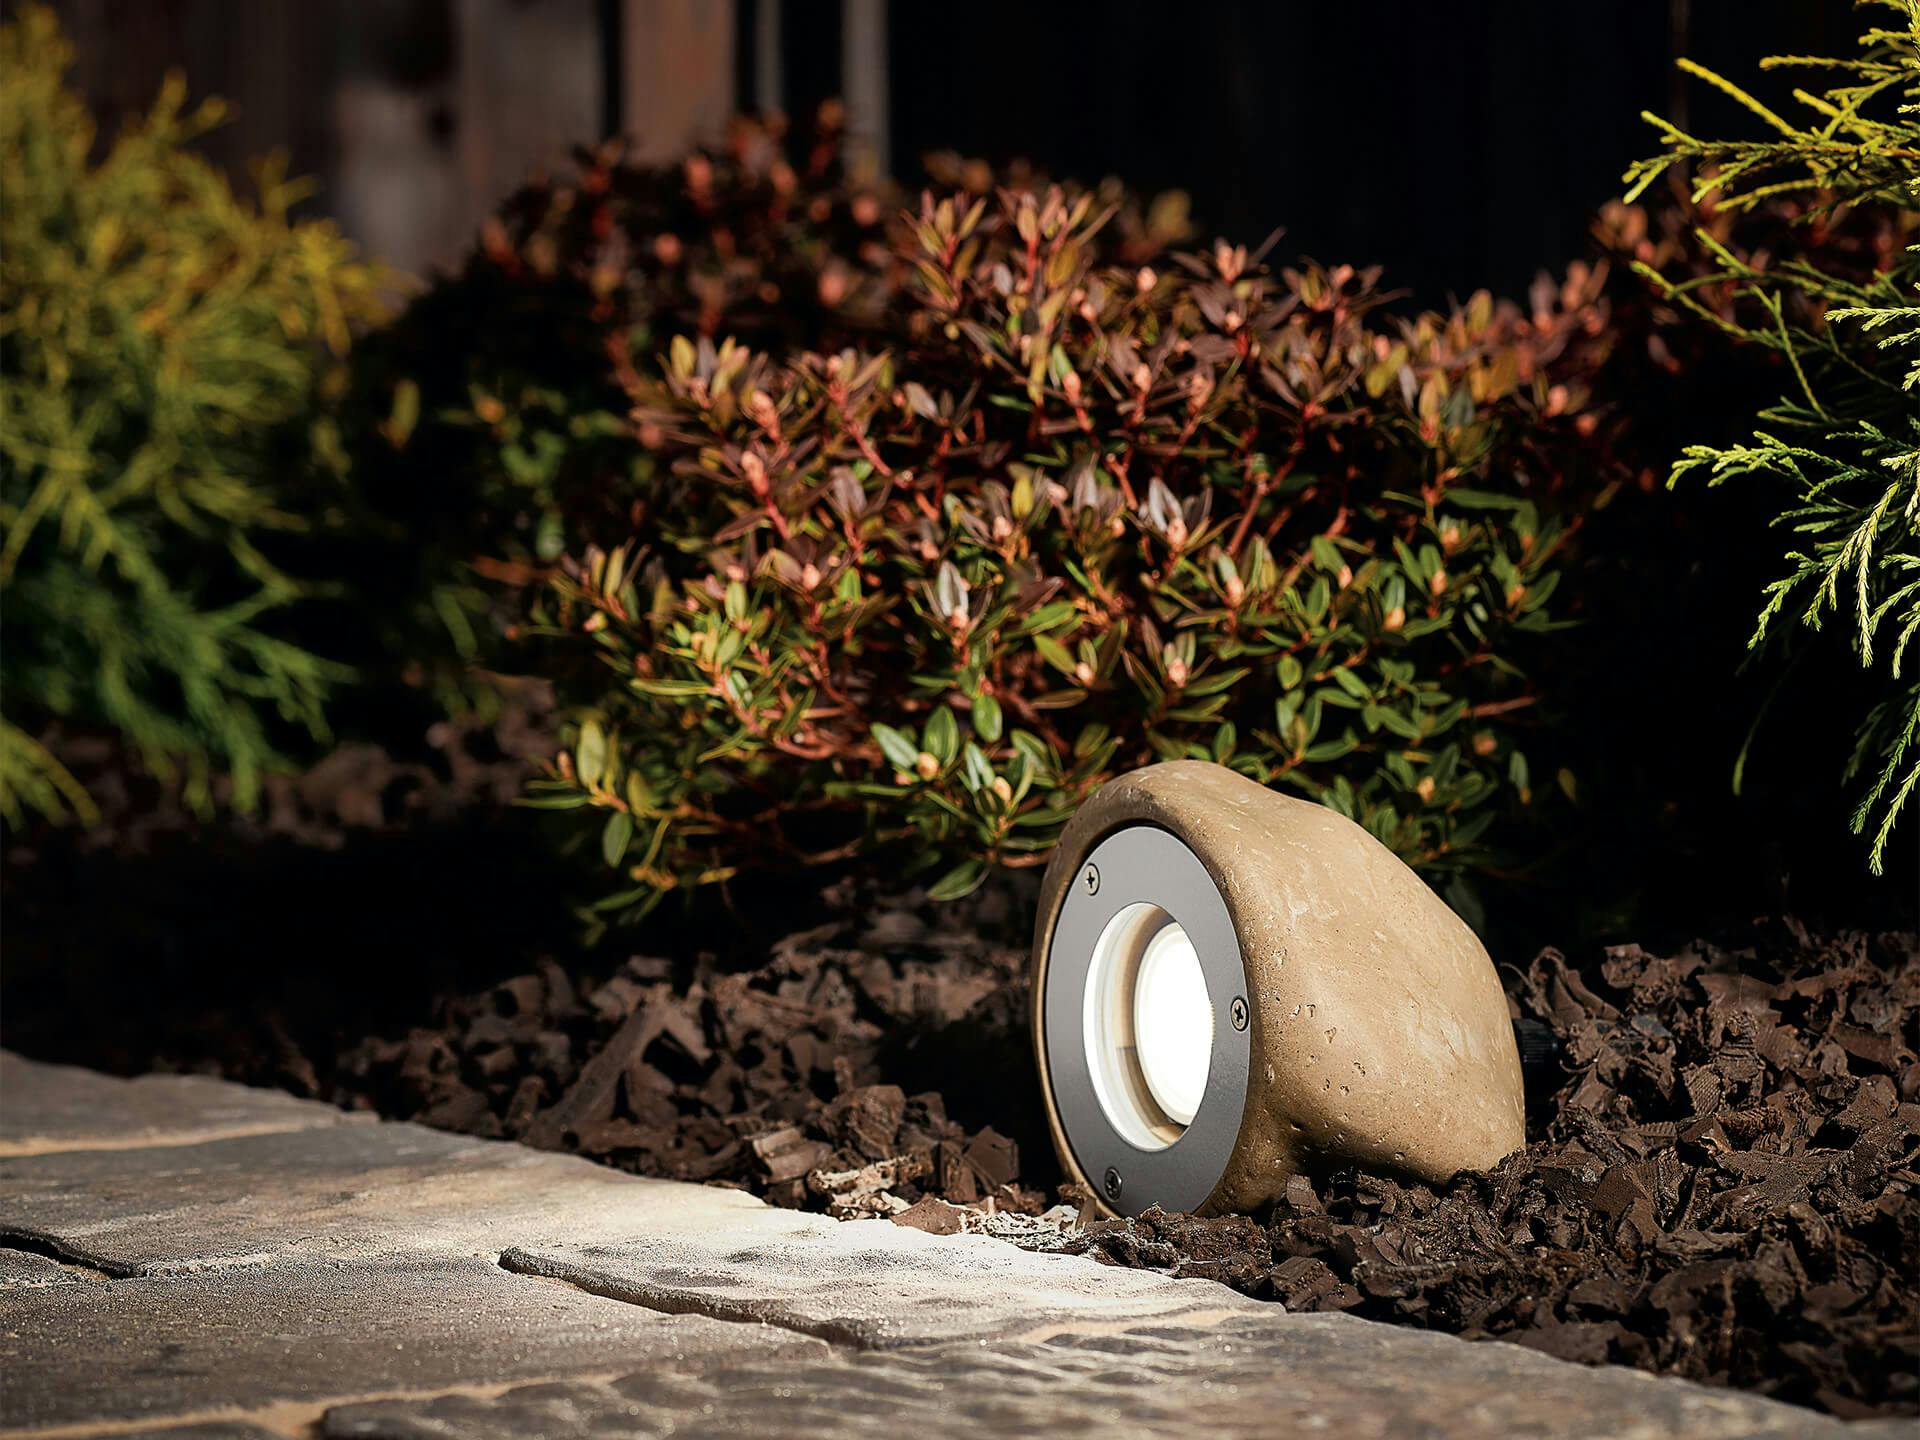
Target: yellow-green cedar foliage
point(1842, 447)
point(168, 349)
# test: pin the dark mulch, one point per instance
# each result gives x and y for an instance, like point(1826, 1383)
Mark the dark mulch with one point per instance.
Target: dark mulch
point(779, 1078)
point(1724, 1188)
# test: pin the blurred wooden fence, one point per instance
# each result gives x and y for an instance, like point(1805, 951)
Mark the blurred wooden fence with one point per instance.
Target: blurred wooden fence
point(1460, 145)
point(418, 116)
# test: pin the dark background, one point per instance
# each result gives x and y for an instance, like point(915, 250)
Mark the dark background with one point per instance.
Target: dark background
point(1460, 145)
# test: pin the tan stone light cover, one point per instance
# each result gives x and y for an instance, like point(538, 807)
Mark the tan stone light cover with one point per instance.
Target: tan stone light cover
point(1379, 1030)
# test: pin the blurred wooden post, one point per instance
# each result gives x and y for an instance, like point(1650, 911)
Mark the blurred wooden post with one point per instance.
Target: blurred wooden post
point(863, 82)
point(676, 74)
point(420, 160)
point(769, 93)
point(528, 92)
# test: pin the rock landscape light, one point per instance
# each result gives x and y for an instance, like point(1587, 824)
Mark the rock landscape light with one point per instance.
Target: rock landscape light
point(1232, 986)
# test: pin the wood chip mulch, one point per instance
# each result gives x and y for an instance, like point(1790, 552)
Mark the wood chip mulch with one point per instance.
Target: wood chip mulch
point(1724, 1186)
point(767, 1079)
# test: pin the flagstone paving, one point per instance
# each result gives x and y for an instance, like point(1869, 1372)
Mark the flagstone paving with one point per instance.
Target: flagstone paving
point(186, 1257)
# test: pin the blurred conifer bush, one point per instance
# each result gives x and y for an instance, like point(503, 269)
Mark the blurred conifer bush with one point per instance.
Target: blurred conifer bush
point(171, 351)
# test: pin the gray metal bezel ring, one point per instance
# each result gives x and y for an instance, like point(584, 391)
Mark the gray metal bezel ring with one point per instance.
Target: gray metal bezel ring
point(1145, 863)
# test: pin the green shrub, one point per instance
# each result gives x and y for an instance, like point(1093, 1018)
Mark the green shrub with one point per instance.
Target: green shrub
point(1843, 445)
point(167, 349)
point(492, 416)
point(1057, 517)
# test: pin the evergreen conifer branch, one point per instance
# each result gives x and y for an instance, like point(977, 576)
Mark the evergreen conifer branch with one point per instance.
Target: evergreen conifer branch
point(167, 345)
point(1844, 447)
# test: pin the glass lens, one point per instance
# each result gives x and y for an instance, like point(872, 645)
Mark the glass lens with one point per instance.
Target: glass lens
point(1147, 1026)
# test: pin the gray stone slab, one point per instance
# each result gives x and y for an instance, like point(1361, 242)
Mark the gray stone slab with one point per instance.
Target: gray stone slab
point(227, 1347)
point(45, 1108)
point(351, 1191)
point(871, 1284)
point(18, 1268)
point(419, 1283)
point(1266, 1374)
point(363, 1192)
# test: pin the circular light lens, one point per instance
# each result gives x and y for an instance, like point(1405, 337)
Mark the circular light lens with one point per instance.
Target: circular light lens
point(1173, 1023)
point(1147, 1026)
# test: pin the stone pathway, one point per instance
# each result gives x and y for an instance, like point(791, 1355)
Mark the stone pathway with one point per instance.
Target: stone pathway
point(183, 1256)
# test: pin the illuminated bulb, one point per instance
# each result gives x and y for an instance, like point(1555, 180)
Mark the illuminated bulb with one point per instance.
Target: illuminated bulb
point(1173, 1024)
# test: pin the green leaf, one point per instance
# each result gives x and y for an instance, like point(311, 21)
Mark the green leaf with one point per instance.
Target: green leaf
point(1224, 740)
point(986, 718)
point(975, 771)
point(671, 689)
point(1217, 681)
point(1319, 596)
point(1330, 749)
point(616, 835)
point(963, 879)
point(552, 802)
point(1351, 683)
point(901, 752)
point(639, 794)
point(590, 753)
point(1054, 653)
point(1398, 723)
point(940, 737)
point(1481, 499)
point(1049, 617)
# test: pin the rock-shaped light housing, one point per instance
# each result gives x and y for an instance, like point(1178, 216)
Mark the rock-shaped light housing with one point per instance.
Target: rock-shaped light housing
point(1355, 1019)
